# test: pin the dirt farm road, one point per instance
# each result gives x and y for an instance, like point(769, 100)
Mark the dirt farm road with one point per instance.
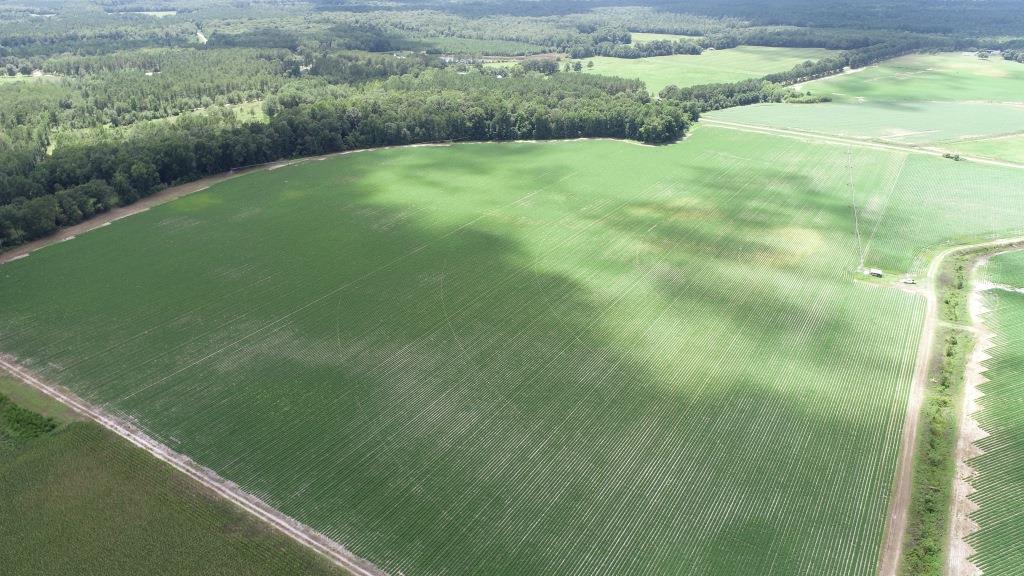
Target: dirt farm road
point(892, 545)
point(849, 140)
point(204, 476)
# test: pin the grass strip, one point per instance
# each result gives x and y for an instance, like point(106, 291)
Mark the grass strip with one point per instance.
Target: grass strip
point(924, 549)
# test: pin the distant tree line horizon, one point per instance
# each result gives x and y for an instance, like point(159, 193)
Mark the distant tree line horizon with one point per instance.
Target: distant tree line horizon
point(1014, 55)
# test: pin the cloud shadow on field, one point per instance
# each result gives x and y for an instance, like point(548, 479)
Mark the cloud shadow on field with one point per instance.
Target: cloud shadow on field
point(400, 389)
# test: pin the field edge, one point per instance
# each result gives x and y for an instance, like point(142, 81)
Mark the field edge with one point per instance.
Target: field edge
point(893, 550)
point(227, 490)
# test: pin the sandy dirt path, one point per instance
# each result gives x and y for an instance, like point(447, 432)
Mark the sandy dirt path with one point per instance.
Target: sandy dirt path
point(969, 432)
point(899, 504)
point(165, 195)
point(208, 478)
point(849, 140)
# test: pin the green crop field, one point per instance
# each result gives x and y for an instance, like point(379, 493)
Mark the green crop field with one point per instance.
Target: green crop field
point(945, 77)
point(712, 66)
point(921, 201)
point(79, 500)
point(1010, 148)
point(1000, 476)
point(563, 358)
point(902, 122)
point(933, 99)
point(1006, 269)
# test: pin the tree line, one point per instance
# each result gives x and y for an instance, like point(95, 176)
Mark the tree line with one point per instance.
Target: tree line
point(772, 87)
point(349, 67)
point(949, 17)
point(76, 182)
point(1014, 55)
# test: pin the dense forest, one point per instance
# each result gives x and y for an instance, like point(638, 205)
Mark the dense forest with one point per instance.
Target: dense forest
point(104, 101)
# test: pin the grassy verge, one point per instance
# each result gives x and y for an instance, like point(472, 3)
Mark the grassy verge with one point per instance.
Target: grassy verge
point(35, 401)
point(924, 550)
point(87, 502)
point(934, 460)
point(954, 284)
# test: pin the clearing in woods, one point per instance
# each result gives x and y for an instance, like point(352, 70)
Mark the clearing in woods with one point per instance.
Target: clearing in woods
point(639, 37)
point(711, 67)
point(492, 359)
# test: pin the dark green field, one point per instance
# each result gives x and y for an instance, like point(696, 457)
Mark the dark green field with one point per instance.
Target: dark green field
point(79, 500)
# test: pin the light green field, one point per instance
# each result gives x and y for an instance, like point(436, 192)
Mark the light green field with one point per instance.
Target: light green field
point(922, 123)
point(569, 358)
point(711, 67)
point(1006, 269)
point(999, 544)
point(934, 99)
point(153, 13)
point(947, 77)
point(79, 500)
point(34, 401)
point(639, 37)
point(1010, 148)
